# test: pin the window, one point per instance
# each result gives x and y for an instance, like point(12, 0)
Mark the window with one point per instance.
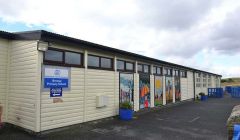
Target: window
point(154, 70)
point(168, 72)
point(209, 81)
point(176, 72)
point(143, 68)
point(198, 80)
point(198, 84)
point(125, 66)
point(157, 70)
point(129, 66)
point(165, 71)
point(140, 68)
point(204, 80)
point(106, 63)
point(184, 74)
point(54, 55)
point(63, 58)
point(93, 61)
point(146, 68)
point(100, 62)
point(198, 74)
point(73, 58)
point(120, 65)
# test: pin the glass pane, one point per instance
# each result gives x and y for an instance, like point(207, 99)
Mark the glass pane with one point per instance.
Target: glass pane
point(154, 70)
point(169, 72)
point(93, 61)
point(120, 65)
point(73, 58)
point(146, 68)
point(140, 68)
point(54, 55)
point(158, 70)
point(129, 66)
point(165, 71)
point(106, 63)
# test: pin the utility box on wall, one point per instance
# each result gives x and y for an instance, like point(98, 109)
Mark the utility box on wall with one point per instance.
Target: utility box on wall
point(102, 101)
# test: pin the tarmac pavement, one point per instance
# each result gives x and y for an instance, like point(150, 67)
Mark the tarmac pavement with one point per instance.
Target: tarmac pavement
point(186, 121)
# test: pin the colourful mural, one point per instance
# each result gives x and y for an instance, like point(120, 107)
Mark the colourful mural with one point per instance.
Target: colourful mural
point(169, 90)
point(177, 88)
point(144, 91)
point(158, 95)
point(126, 87)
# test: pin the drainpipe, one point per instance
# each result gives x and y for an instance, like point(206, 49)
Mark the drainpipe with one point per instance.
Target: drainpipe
point(194, 88)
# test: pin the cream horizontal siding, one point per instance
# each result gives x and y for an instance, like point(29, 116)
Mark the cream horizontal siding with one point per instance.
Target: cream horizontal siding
point(70, 111)
point(152, 85)
point(184, 88)
point(3, 75)
point(116, 93)
point(190, 85)
point(100, 82)
point(23, 87)
point(136, 92)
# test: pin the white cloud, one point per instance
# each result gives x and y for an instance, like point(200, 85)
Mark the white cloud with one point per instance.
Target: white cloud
point(188, 32)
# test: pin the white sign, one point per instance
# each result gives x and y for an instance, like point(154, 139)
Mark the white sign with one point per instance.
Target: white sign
point(56, 73)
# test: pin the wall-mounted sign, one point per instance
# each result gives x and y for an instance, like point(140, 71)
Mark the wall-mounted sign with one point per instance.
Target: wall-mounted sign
point(55, 92)
point(56, 77)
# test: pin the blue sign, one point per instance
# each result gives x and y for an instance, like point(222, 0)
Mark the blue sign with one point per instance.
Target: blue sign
point(55, 83)
point(55, 92)
point(56, 77)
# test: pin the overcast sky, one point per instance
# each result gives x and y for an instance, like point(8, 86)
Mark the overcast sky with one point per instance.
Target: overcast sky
point(204, 34)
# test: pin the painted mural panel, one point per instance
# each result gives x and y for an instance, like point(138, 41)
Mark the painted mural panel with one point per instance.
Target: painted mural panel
point(126, 88)
point(169, 90)
point(158, 95)
point(144, 91)
point(177, 89)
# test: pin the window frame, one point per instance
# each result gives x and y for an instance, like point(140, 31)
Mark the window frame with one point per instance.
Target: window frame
point(156, 73)
point(149, 68)
point(74, 65)
point(183, 73)
point(63, 63)
point(100, 67)
point(167, 72)
point(177, 73)
point(125, 66)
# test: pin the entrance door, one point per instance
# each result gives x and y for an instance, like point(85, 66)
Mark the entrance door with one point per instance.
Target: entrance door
point(144, 91)
point(126, 86)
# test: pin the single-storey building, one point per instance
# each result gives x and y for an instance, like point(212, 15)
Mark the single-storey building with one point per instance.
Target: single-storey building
point(49, 80)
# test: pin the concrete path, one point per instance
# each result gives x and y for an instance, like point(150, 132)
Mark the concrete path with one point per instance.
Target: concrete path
point(187, 121)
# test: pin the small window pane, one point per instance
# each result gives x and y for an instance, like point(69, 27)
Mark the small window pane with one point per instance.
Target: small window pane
point(106, 63)
point(165, 71)
point(53, 55)
point(120, 65)
point(140, 68)
point(146, 68)
point(159, 71)
point(129, 66)
point(93, 61)
point(73, 58)
point(154, 70)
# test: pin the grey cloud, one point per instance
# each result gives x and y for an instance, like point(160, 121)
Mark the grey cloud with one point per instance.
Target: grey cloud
point(175, 14)
point(225, 37)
